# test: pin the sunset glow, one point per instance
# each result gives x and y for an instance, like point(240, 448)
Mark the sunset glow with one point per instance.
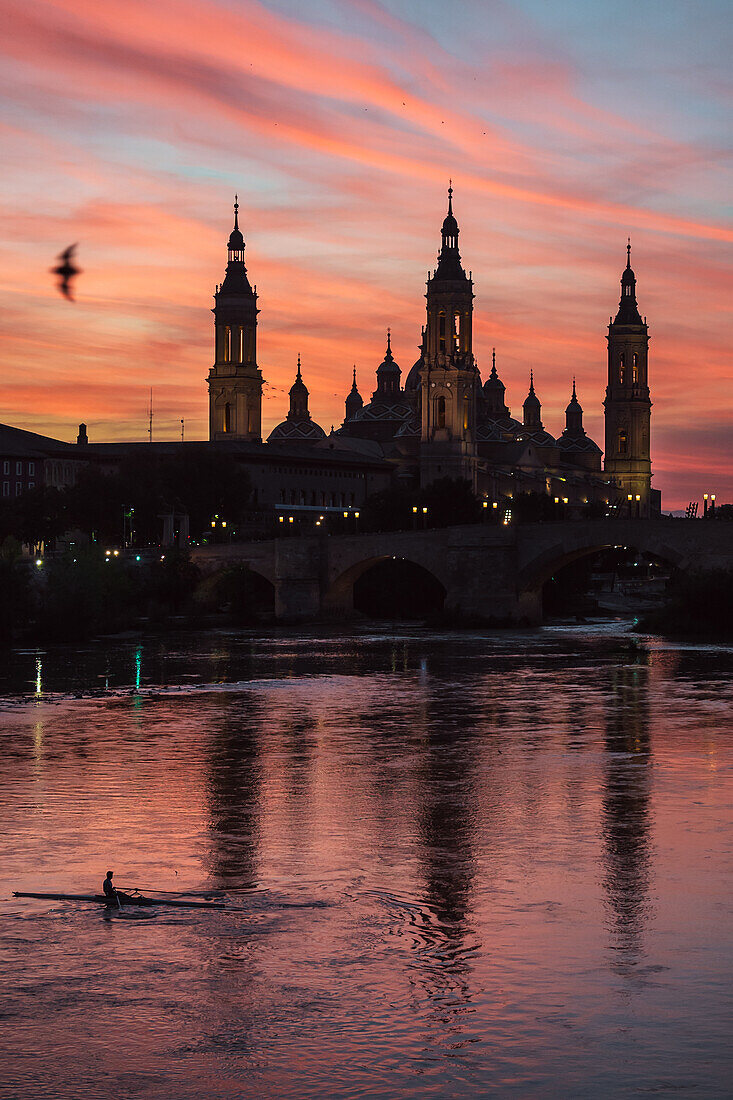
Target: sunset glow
point(565, 128)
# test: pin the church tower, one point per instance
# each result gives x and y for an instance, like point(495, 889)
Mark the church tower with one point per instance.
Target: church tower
point(532, 409)
point(627, 404)
point(449, 379)
point(235, 382)
point(354, 401)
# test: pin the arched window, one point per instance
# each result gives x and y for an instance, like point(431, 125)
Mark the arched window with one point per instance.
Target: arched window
point(440, 412)
point(623, 442)
point(635, 369)
point(621, 369)
point(240, 346)
point(441, 331)
point(457, 331)
point(228, 417)
point(465, 413)
point(227, 344)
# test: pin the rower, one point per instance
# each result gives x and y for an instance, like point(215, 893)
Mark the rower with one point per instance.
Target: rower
point(109, 891)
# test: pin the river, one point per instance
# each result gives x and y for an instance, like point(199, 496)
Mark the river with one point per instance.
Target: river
point(455, 866)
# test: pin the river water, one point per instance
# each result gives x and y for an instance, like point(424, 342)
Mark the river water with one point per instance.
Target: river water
point(456, 866)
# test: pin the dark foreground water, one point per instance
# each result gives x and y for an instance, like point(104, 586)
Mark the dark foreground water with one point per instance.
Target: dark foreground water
point(459, 866)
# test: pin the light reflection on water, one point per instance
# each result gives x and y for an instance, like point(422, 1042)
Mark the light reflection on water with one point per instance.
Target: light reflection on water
point(461, 866)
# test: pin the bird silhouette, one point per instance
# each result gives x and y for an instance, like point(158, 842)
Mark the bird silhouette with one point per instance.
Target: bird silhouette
point(66, 271)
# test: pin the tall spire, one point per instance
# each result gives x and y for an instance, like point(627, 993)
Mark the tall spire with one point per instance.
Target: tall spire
point(389, 344)
point(354, 400)
point(532, 407)
point(298, 376)
point(235, 245)
point(628, 312)
point(574, 416)
point(449, 258)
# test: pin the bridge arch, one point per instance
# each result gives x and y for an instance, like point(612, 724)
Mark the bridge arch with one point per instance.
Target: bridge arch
point(244, 590)
point(343, 592)
point(549, 559)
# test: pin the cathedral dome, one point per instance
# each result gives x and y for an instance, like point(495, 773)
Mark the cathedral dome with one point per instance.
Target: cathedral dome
point(296, 431)
point(412, 382)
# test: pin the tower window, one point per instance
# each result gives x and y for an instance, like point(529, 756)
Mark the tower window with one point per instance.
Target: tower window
point(623, 443)
point(441, 332)
point(621, 369)
point(227, 344)
point(440, 412)
point(635, 369)
point(251, 420)
point(228, 418)
point(240, 350)
point(456, 331)
point(465, 413)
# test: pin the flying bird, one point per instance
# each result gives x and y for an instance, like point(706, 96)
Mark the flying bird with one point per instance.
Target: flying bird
point(66, 271)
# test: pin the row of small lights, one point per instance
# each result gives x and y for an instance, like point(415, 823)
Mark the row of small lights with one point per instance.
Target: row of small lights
point(319, 521)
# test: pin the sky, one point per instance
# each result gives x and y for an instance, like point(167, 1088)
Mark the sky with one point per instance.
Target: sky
point(565, 125)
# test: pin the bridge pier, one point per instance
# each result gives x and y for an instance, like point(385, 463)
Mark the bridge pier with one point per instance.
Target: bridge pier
point(298, 583)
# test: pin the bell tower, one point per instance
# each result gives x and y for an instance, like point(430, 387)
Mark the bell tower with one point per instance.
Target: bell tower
point(628, 406)
point(449, 379)
point(235, 381)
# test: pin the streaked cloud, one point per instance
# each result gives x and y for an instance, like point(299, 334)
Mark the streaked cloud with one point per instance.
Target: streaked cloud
point(128, 127)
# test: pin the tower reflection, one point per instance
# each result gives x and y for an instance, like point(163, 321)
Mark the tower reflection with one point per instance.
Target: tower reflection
point(234, 792)
point(446, 834)
point(626, 810)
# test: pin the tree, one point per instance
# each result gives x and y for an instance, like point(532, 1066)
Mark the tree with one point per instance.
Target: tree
point(40, 516)
point(199, 482)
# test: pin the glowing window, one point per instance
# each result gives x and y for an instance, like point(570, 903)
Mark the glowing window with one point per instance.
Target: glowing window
point(440, 412)
point(635, 369)
point(623, 443)
point(621, 369)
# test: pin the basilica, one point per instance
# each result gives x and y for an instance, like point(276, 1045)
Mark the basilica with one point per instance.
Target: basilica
point(442, 420)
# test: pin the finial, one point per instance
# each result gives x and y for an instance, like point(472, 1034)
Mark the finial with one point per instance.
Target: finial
point(298, 378)
point(531, 380)
point(628, 252)
point(575, 397)
point(389, 342)
point(236, 211)
point(450, 196)
point(493, 360)
point(354, 375)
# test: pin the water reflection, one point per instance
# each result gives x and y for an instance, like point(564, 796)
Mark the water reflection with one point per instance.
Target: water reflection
point(446, 848)
point(234, 790)
point(626, 809)
point(446, 835)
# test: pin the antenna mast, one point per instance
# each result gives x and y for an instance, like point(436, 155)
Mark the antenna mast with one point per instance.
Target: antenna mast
point(181, 429)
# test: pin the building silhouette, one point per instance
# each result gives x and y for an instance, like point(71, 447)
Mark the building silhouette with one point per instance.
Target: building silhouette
point(235, 381)
point(441, 421)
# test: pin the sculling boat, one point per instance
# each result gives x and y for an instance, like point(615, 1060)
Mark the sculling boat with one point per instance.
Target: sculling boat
point(125, 899)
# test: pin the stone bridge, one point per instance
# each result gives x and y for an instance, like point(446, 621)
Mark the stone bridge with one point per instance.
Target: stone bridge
point(485, 570)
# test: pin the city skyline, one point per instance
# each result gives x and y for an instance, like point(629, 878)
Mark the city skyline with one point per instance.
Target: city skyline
point(339, 133)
